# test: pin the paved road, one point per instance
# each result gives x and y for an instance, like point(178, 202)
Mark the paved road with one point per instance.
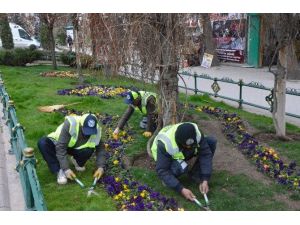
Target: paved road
point(11, 193)
point(252, 95)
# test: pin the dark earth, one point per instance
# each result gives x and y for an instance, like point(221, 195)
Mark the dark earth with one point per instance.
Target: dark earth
point(227, 157)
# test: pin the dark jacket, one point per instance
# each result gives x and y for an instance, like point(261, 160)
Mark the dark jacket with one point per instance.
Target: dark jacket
point(61, 147)
point(151, 115)
point(203, 165)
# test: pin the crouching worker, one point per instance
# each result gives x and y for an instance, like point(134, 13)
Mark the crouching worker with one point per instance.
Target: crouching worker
point(77, 136)
point(182, 148)
point(146, 102)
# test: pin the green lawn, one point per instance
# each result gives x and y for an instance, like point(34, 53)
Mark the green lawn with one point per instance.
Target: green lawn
point(29, 90)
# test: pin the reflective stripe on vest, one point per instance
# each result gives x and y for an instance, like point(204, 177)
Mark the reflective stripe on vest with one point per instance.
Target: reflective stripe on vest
point(167, 137)
point(74, 122)
point(73, 130)
point(144, 97)
point(93, 141)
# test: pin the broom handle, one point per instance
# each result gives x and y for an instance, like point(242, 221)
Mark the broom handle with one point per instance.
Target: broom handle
point(74, 103)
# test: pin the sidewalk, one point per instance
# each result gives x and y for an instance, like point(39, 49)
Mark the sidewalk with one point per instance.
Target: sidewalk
point(11, 193)
point(252, 95)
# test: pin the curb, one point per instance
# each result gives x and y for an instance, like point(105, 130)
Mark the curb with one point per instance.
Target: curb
point(11, 192)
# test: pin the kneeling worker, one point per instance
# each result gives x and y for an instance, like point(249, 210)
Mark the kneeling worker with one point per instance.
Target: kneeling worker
point(77, 136)
point(146, 102)
point(175, 147)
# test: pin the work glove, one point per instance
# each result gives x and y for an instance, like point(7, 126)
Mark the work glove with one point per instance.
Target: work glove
point(70, 174)
point(188, 194)
point(115, 133)
point(98, 173)
point(203, 187)
point(147, 134)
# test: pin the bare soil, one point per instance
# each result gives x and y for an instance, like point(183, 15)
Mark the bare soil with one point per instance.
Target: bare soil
point(227, 157)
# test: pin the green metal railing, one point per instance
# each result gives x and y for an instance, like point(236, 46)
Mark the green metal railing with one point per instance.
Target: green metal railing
point(216, 88)
point(26, 161)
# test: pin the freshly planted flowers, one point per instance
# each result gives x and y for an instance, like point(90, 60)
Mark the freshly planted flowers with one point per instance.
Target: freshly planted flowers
point(117, 181)
point(265, 158)
point(99, 90)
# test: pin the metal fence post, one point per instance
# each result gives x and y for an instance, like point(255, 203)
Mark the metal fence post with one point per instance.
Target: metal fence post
point(9, 123)
point(37, 199)
point(241, 94)
point(195, 80)
point(28, 195)
point(26, 162)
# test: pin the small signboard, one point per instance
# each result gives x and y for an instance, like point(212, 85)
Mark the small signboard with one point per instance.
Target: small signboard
point(207, 60)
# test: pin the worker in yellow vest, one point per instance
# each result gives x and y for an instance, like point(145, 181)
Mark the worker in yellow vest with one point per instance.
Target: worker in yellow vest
point(78, 136)
point(146, 103)
point(182, 148)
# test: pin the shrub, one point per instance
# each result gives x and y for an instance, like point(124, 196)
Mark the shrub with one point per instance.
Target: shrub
point(69, 58)
point(86, 61)
point(34, 55)
point(6, 57)
point(18, 56)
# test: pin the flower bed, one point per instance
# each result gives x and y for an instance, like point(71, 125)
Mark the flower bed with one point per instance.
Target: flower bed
point(118, 182)
point(68, 74)
point(265, 158)
point(100, 90)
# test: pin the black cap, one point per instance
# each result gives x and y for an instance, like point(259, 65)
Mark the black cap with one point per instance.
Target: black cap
point(185, 135)
point(90, 125)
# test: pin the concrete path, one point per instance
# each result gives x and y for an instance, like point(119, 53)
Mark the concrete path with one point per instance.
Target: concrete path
point(252, 95)
point(11, 193)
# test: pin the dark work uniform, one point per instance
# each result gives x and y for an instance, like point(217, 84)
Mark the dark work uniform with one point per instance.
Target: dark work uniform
point(168, 169)
point(151, 115)
point(55, 153)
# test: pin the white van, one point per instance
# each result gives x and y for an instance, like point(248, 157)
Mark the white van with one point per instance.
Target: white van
point(21, 38)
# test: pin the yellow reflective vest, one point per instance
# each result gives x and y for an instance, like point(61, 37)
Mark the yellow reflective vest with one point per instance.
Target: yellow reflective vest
point(144, 97)
point(75, 121)
point(167, 137)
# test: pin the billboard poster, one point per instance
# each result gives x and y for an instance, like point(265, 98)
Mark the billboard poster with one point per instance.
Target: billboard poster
point(229, 36)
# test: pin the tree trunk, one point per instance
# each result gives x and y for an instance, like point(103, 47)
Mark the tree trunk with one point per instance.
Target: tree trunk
point(293, 68)
point(168, 83)
point(209, 45)
point(279, 92)
point(77, 49)
point(52, 42)
point(93, 19)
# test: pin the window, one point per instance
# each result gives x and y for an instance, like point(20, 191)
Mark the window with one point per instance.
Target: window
point(24, 35)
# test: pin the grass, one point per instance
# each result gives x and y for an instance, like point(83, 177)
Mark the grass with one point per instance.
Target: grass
point(230, 192)
point(29, 90)
point(290, 149)
point(262, 123)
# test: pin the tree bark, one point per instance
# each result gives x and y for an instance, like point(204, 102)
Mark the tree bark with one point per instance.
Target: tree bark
point(52, 41)
point(48, 20)
point(77, 49)
point(279, 92)
point(209, 45)
point(168, 83)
